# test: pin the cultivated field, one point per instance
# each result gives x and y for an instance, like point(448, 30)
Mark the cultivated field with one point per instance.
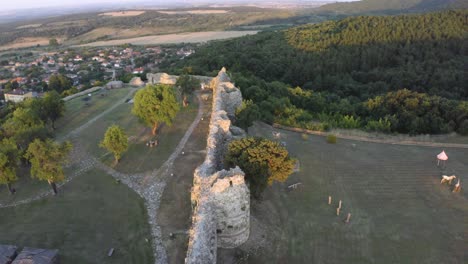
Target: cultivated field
point(25, 43)
point(193, 37)
point(29, 26)
point(123, 13)
point(400, 211)
point(195, 12)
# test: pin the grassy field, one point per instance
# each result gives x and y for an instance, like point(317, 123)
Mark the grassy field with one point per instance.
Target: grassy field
point(139, 157)
point(174, 215)
point(77, 112)
point(90, 215)
point(400, 211)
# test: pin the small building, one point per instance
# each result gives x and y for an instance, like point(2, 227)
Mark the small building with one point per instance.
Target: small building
point(114, 85)
point(37, 256)
point(138, 70)
point(19, 95)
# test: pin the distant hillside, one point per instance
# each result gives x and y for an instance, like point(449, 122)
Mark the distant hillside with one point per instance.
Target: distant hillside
point(90, 27)
point(372, 30)
point(393, 6)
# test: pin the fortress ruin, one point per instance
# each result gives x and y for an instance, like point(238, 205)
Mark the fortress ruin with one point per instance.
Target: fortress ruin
point(220, 198)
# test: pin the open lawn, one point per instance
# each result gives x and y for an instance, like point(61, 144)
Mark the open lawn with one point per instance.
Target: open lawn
point(400, 211)
point(174, 214)
point(139, 157)
point(78, 112)
point(90, 215)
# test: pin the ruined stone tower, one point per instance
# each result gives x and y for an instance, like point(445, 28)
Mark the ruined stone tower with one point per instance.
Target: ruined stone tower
point(220, 198)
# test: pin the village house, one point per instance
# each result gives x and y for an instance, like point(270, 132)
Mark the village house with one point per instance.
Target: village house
point(78, 58)
point(19, 95)
point(138, 70)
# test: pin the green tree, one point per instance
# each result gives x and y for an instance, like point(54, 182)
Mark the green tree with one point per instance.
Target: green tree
point(53, 42)
point(115, 141)
point(187, 85)
point(59, 83)
point(24, 126)
point(156, 104)
point(53, 106)
point(9, 157)
point(263, 161)
point(247, 114)
point(47, 159)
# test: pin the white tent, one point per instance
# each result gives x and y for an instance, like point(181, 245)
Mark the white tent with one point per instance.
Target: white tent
point(441, 157)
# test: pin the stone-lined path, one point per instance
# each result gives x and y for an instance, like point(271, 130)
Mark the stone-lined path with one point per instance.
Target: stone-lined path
point(149, 185)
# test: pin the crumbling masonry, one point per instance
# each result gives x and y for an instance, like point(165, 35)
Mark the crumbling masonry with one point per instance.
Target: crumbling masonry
point(220, 198)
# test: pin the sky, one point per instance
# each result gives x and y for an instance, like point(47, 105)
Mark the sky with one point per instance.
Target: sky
point(22, 4)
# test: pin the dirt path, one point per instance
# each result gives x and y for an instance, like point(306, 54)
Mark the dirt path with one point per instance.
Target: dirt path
point(149, 185)
point(77, 130)
point(375, 140)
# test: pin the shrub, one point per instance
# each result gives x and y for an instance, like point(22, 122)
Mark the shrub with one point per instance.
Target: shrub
point(331, 139)
point(304, 136)
point(263, 161)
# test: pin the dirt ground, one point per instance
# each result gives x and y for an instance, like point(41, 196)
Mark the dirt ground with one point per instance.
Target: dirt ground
point(175, 208)
point(25, 43)
point(400, 213)
point(195, 12)
point(192, 37)
point(123, 13)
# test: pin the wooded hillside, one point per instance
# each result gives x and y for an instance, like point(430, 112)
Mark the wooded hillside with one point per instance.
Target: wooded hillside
point(340, 65)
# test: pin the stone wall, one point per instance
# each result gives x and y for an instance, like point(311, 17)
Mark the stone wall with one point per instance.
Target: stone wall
point(220, 198)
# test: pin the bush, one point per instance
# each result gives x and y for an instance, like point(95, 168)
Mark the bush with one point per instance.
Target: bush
point(383, 125)
point(263, 161)
point(304, 136)
point(331, 139)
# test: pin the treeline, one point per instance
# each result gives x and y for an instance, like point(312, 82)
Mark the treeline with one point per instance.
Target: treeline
point(340, 71)
point(393, 6)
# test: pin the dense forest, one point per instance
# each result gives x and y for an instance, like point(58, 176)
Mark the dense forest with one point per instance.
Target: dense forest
point(391, 6)
point(328, 75)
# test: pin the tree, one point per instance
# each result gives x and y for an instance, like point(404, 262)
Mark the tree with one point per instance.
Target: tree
point(59, 83)
point(53, 42)
point(115, 141)
point(156, 104)
point(9, 157)
point(24, 126)
point(53, 106)
point(247, 114)
point(263, 161)
point(187, 85)
point(47, 159)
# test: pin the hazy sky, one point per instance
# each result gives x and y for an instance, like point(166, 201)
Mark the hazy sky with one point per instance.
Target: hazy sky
point(21, 4)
